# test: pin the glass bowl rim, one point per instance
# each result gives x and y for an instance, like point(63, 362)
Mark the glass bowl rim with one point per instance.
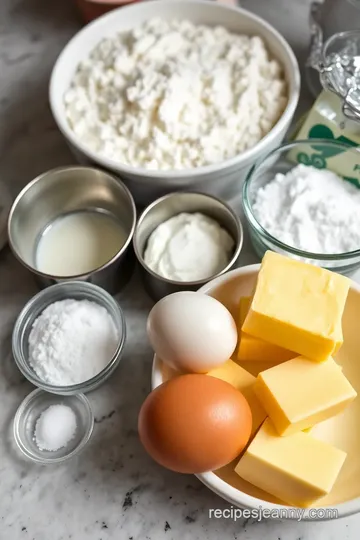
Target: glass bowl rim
point(23, 363)
point(49, 461)
point(262, 231)
point(332, 39)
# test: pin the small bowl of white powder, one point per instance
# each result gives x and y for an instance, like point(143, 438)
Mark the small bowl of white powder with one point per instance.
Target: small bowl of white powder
point(50, 429)
point(303, 200)
point(183, 240)
point(69, 338)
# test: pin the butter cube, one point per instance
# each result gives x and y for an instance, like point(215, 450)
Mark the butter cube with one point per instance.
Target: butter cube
point(244, 306)
point(297, 469)
point(254, 349)
point(300, 393)
point(298, 306)
point(244, 382)
point(257, 367)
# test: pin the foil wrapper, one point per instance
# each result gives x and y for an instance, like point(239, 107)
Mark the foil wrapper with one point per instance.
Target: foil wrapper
point(337, 62)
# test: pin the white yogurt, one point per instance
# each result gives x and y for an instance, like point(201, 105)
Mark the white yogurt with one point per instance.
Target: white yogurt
point(188, 247)
point(79, 243)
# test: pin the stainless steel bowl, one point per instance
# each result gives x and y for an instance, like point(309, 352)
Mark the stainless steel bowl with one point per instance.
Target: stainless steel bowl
point(78, 290)
point(70, 189)
point(167, 207)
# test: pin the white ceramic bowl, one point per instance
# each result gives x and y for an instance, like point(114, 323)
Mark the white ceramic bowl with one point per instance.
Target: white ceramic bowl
point(342, 431)
point(221, 179)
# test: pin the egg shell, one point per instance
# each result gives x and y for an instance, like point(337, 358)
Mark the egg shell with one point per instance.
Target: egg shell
point(194, 423)
point(192, 332)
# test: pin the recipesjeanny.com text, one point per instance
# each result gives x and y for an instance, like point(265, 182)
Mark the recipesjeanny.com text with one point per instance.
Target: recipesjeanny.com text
point(260, 513)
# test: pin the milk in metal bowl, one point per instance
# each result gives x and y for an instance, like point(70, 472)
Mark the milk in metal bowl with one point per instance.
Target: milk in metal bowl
point(79, 243)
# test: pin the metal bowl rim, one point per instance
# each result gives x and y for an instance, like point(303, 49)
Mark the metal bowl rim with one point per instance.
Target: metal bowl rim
point(49, 173)
point(238, 242)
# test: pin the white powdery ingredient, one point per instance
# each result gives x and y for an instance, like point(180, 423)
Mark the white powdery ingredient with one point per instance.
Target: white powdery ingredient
point(71, 342)
point(188, 247)
point(311, 209)
point(55, 428)
point(174, 95)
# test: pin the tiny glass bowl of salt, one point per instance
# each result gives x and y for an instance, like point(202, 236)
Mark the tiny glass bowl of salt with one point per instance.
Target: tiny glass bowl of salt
point(50, 429)
point(69, 338)
point(303, 200)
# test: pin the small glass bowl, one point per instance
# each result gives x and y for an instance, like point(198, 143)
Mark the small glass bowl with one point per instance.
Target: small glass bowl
point(78, 290)
point(322, 154)
point(30, 410)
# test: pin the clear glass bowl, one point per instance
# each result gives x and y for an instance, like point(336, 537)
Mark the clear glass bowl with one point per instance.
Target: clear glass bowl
point(320, 153)
point(30, 410)
point(79, 290)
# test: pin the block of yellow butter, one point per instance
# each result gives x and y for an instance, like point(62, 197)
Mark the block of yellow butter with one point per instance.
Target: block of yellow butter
point(254, 349)
point(301, 393)
point(244, 306)
point(256, 367)
point(244, 382)
point(298, 306)
point(297, 469)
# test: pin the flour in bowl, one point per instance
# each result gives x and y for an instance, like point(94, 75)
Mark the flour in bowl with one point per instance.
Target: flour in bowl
point(174, 95)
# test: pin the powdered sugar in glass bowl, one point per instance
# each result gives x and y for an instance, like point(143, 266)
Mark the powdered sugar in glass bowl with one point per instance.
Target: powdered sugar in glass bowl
point(77, 290)
point(322, 154)
point(72, 341)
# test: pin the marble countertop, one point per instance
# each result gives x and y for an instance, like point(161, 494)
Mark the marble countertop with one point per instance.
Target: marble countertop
point(113, 490)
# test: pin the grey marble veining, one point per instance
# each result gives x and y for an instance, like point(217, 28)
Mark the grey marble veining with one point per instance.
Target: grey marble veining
point(113, 490)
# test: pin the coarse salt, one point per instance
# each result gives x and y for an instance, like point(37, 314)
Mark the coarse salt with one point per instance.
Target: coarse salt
point(71, 342)
point(55, 428)
point(311, 209)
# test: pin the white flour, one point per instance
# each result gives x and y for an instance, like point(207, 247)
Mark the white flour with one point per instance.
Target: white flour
point(71, 342)
point(311, 209)
point(174, 95)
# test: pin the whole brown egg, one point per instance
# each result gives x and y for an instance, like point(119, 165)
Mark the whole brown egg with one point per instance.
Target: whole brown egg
point(194, 423)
